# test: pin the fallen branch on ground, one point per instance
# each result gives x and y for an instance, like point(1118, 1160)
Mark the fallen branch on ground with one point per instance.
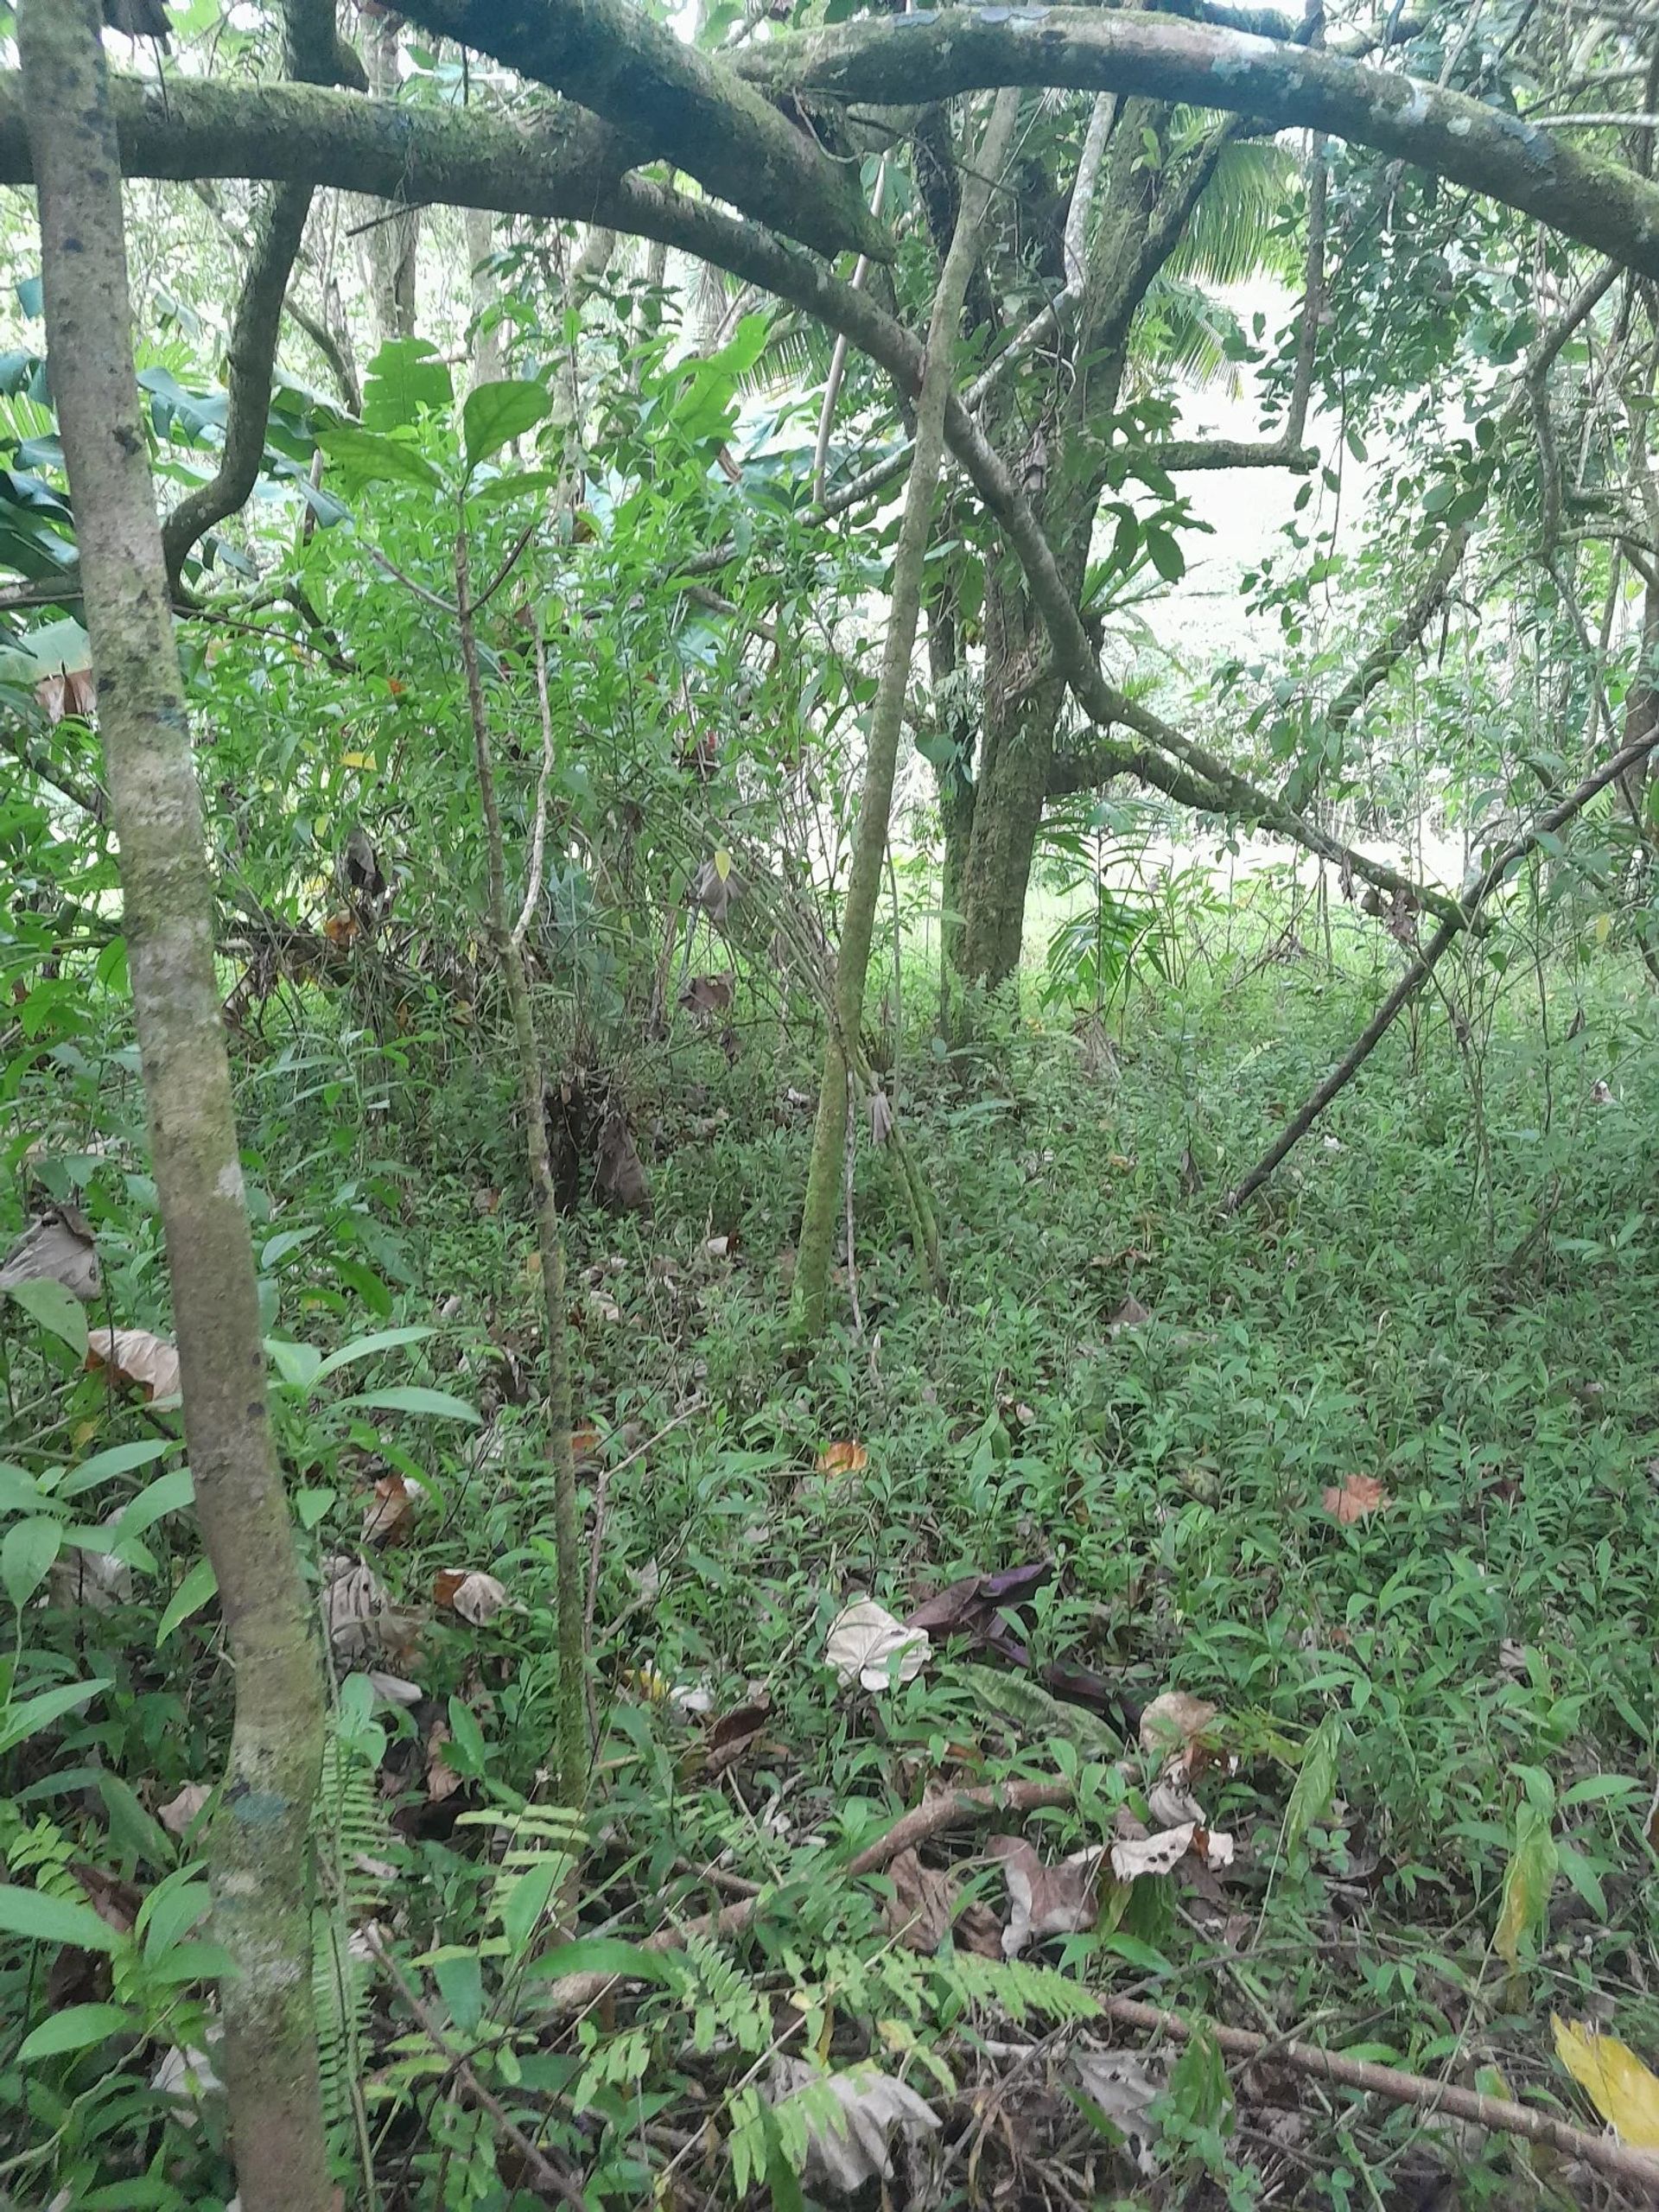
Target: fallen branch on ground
point(1502, 2114)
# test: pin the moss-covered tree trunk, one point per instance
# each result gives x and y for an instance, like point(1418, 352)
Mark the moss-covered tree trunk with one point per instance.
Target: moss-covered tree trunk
point(258, 1847)
point(876, 801)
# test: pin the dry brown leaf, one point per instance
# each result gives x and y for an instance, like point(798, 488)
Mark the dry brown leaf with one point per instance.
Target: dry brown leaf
point(1129, 1314)
point(178, 1813)
point(1174, 1723)
point(1045, 1900)
point(58, 1247)
point(844, 2154)
point(388, 1512)
point(442, 1780)
point(880, 1117)
point(848, 1459)
point(97, 1581)
point(137, 1360)
point(584, 1445)
point(1356, 1496)
point(66, 692)
point(926, 1906)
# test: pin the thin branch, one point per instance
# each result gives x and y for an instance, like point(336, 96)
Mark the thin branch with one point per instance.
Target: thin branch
point(1501, 2114)
point(538, 841)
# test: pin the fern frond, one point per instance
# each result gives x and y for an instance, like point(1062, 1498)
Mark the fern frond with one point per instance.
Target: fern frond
point(1015, 1986)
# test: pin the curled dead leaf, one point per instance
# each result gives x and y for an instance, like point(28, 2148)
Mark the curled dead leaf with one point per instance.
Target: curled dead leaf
point(1043, 1900)
point(866, 1644)
point(137, 1360)
point(177, 1815)
point(846, 1459)
point(388, 1512)
point(1133, 1856)
point(1174, 1723)
point(354, 1599)
point(57, 1247)
point(849, 2149)
point(1354, 1498)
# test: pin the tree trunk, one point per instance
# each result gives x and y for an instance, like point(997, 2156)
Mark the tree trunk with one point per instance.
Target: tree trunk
point(390, 232)
point(489, 362)
point(258, 1850)
point(886, 722)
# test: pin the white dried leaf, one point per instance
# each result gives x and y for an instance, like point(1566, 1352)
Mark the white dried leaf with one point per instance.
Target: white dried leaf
point(187, 2077)
point(1172, 1724)
point(849, 2129)
point(136, 1357)
point(866, 1645)
point(394, 1689)
point(353, 1597)
point(1124, 2084)
point(177, 1813)
point(479, 1598)
point(880, 1117)
point(54, 1250)
point(1162, 1852)
point(97, 1581)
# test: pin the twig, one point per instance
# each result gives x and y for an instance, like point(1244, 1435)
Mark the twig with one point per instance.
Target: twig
point(573, 1991)
point(1500, 2114)
point(538, 842)
point(547, 2175)
point(600, 1491)
point(1464, 917)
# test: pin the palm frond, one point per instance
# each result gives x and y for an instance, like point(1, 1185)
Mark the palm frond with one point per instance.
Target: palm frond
point(1230, 234)
point(1185, 332)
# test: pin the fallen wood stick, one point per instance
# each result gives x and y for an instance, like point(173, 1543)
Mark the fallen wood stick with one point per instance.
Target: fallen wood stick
point(573, 1992)
point(1502, 2114)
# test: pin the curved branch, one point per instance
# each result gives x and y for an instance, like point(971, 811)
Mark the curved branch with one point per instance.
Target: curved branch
point(668, 102)
point(933, 55)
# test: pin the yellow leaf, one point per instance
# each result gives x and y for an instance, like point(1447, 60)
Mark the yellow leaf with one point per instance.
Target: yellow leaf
point(722, 862)
point(357, 760)
point(1527, 1883)
point(1615, 2080)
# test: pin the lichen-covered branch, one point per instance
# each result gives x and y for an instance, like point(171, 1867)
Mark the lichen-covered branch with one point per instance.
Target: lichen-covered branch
point(258, 1847)
point(667, 102)
point(933, 54)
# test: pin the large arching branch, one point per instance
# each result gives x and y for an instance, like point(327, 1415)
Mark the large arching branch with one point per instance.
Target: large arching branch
point(936, 54)
point(667, 102)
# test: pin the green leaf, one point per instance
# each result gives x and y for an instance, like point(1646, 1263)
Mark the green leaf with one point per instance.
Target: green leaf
point(1167, 554)
point(405, 378)
point(460, 1975)
point(19, 1491)
point(496, 414)
point(365, 1347)
point(41, 1919)
point(192, 1594)
point(55, 1308)
point(299, 1365)
point(119, 1459)
point(366, 457)
point(526, 1900)
point(131, 1826)
point(17, 1722)
point(412, 1399)
point(1528, 1880)
point(26, 1556)
point(78, 2027)
point(1315, 1783)
point(168, 1493)
point(604, 1954)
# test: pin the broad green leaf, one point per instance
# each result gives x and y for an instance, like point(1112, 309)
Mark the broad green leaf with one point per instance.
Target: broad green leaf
point(366, 457)
point(412, 1399)
point(459, 1977)
point(18, 1722)
point(192, 1594)
point(26, 1556)
point(131, 1826)
point(277, 1248)
point(118, 1459)
point(41, 1919)
point(78, 2027)
point(365, 1347)
point(526, 1900)
point(1316, 1780)
point(299, 1365)
point(55, 1308)
point(496, 414)
point(19, 1491)
point(406, 377)
point(168, 1493)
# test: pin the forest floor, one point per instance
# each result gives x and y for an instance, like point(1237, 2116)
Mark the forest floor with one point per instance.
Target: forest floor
point(1372, 1471)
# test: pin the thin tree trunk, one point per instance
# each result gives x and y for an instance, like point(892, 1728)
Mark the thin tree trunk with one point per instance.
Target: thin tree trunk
point(390, 232)
point(572, 1747)
point(875, 804)
point(258, 1850)
point(488, 360)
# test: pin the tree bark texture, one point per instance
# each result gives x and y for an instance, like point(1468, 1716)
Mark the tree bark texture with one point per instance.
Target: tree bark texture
point(258, 1847)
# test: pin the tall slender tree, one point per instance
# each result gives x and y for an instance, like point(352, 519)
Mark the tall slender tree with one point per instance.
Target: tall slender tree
point(259, 1846)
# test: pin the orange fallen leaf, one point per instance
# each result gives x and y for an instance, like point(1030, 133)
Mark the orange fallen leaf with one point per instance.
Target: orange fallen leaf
point(386, 1515)
point(848, 1459)
point(1356, 1496)
point(136, 1358)
point(584, 1444)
